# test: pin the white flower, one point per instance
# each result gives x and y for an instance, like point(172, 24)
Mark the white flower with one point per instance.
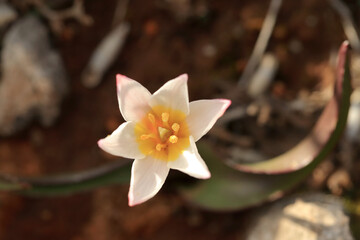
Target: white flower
point(160, 133)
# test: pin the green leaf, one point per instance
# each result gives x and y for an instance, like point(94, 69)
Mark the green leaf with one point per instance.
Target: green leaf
point(120, 175)
point(229, 189)
point(65, 184)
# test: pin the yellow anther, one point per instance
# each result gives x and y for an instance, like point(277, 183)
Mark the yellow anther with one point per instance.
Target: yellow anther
point(173, 139)
point(151, 118)
point(175, 127)
point(165, 117)
point(160, 146)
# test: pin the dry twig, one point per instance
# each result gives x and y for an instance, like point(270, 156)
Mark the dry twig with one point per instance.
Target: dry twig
point(120, 12)
point(108, 49)
point(56, 18)
point(261, 42)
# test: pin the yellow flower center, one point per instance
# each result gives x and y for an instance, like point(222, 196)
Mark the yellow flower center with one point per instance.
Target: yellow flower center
point(163, 133)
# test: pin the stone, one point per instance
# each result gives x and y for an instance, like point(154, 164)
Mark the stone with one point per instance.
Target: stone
point(312, 216)
point(7, 15)
point(33, 81)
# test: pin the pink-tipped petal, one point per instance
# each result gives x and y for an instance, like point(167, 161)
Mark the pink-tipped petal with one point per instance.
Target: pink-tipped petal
point(173, 94)
point(147, 177)
point(191, 163)
point(203, 115)
point(122, 142)
point(133, 98)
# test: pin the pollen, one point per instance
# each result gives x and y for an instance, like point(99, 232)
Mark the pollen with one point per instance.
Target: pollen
point(165, 117)
point(160, 146)
point(175, 127)
point(173, 139)
point(163, 133)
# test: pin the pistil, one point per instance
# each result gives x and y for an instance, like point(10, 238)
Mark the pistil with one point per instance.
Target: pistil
point(159, 135)
point(164, 133)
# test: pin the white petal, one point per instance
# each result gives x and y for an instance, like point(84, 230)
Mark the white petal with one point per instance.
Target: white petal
point(191, 163)
point(147, 177)
point(173, 94)
point(203, 115)
point(122, 142)
point(133, 98)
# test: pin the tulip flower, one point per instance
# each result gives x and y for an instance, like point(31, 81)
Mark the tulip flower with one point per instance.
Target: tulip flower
point(160, 133)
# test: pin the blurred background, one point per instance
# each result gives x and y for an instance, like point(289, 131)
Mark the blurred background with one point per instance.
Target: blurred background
point(59, 59)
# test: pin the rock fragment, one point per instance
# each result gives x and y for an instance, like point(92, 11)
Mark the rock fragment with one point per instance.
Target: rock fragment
point(33, 81)
point(7, 14)
point(312, 216)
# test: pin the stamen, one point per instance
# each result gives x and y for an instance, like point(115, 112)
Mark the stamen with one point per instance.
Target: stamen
point(151, 118)
point(160, 146)
point(175, 127)
point(173, 139)
point(165, 117)
point(146, 136)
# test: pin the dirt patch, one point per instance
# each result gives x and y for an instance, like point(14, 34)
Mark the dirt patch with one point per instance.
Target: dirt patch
point(212, 44)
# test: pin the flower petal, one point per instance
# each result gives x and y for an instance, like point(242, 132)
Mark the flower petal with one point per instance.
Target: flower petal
point(133, 98)
point(173, 94)
point(191, 163)
point(147, 177)
point(203, 115)
point(122, 142)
